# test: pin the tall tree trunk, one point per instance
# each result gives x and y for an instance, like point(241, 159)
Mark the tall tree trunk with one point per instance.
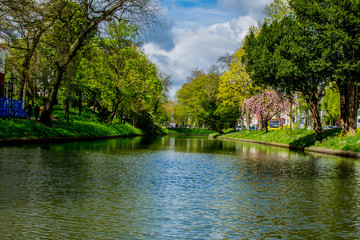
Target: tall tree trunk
point(67, 107)
point(135, 119)
point(242, 120)
point(314, 109)
point(290, 117)
point(25, 67)
point(113, 113)
point(51, 100)
point(121, 119)
point(261, 122)
point(80, 103)
point(248, 117)
point(349, 103)
point(265, 125)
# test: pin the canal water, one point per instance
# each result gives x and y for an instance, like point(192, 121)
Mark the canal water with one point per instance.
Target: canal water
point(176, 188)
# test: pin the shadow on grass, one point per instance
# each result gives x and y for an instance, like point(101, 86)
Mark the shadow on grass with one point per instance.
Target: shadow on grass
point(310, 139)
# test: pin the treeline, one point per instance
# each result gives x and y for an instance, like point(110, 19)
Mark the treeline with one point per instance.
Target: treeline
point(84, 54)
point(301, 50)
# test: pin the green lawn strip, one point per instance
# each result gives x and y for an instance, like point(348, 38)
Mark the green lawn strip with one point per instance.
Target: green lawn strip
point(20, 128)
point(344, 143)
point(300, 138)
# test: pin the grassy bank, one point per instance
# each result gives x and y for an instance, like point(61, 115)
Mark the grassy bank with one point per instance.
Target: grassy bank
point(20, 128)
point(300, 138)
point(189, 131)
point(85, 125)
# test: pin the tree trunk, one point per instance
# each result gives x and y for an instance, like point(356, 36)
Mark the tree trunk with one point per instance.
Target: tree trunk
point(51, 100)
point(24, 76)
point(80, 103)
point(136, 119)
point(67, 107)
point(261, 122)
point(121, 116)
point(113, 113)
point(242, 121)
point(25, 67)
point(248, 122)
point(265, 125)
point(219, 130)
point(349, 103)
point(290, 118)
point(314, 108)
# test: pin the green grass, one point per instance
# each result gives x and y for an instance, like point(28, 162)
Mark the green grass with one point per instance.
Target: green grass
point(339, 142)
point(84, 125)
point(188, 131)
point(301, 138)
point(30, 128)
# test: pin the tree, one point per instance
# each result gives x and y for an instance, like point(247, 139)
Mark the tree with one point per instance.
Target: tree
point(266, 105)
point(87, 15)
point(122, 76)
point(199, 98)
point(236, 85)
point(337, 25)
point(331, 103)
point(22, 26)
point(277, 10)
point(286, 56)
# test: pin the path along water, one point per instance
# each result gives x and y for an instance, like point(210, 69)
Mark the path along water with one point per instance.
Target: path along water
point(176, 188)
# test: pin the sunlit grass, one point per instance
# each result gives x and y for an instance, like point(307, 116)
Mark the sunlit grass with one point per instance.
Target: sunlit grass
point(301, 138)
point(339, 142)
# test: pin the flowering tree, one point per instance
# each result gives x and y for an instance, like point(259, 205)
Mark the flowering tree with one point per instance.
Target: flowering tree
point(266, 105)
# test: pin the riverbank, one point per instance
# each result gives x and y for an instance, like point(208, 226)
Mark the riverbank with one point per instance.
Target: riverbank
point(333, 142)
point(13, 131)
point(22, 131)
point(189, 131)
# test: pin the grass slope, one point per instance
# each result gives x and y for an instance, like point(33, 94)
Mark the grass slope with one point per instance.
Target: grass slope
point(301, 138)
point(85, 125)
point(29, 128)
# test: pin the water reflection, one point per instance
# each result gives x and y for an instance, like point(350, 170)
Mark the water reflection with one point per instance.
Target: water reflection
point(175, 188)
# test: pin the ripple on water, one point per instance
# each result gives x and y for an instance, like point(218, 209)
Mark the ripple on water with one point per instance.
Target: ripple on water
point(175, 188)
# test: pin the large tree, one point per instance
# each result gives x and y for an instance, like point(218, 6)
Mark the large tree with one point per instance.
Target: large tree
point(22, 26)
point(121, 75)
point(336, 24)
point(287, 56)
point(199, 98)
point(236, 85)
point(87, 16)
point(267, 105)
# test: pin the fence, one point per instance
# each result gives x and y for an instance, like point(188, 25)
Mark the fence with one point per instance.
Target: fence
point(15, 108)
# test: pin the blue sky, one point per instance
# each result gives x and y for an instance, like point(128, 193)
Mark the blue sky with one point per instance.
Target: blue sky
point(195, 33)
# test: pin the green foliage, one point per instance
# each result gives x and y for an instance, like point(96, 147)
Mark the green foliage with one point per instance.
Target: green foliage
point(189, 131)
point(145, 122)
point(287, 57)
point(331, 103)
point(336, 25)
point(122, 79)
point(235, 84)
point(199, 98)
point(340, 142)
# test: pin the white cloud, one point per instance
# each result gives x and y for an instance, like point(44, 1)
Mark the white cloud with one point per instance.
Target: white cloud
point(198, 48)
point(244, 6)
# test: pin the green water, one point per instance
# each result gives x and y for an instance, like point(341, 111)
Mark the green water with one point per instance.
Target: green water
point(176, 188)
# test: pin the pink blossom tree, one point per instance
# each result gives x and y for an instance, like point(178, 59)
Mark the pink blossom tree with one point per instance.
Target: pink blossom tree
point(266, 105)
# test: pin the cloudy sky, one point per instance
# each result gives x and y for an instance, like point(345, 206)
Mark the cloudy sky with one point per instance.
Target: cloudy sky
point(195, 33)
